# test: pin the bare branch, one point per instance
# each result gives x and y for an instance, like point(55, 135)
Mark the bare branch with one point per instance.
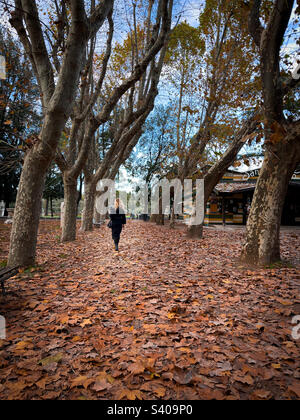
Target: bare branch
point(255, 27)
point(217, 171)
point(99, 15)
point(271, 42)
point(103, 116)
point(26, 10)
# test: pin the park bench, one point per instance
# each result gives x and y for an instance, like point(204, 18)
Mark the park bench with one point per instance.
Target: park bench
point(5, 274)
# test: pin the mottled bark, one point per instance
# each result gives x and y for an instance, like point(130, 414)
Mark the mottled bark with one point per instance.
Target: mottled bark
point(97, 216)
point(57, 99)
point(195, 232)
point(135, 119)
point(47, 207)
point(262, 246)
point(217, 171)
point(27, 212)
point(89, 206)
point(172, 220)
point(159, 219)
point(70, 215)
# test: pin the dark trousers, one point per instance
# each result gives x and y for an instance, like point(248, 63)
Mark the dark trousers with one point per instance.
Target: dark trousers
point(116, 233)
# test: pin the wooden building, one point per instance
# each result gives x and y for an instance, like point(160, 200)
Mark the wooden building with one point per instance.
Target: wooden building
point(231, 200)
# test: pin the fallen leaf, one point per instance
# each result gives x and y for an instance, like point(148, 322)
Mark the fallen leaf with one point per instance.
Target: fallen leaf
point(260, 394)
point(21, 345)
point(182, 377)
point(56, 358)
point(136, 368)
point(129, 394)
point(276, 365)
point(81, 381)
point(295, 389)
point(101, 385)
point(85, 323)
point(284, 302)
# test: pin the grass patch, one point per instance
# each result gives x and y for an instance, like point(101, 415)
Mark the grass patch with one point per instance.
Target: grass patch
point(30, 269)
point(279, 264)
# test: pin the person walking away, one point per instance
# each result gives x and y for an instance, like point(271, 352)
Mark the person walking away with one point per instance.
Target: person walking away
point(118, 220)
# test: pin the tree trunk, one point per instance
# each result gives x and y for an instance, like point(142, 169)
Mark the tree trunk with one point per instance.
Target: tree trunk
point(27, 212)
point(161, 219)
point(79, 194)
point(57, 104)
point(70, 218)
point(51, 207)
point(89, 206)
point(262, 246)
point(172, 220)
point(97, 216)
point(47, 207)
point(195, 232)
point(217, 171)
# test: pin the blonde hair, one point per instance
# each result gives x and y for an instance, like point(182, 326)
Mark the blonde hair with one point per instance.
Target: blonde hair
point(119, 204)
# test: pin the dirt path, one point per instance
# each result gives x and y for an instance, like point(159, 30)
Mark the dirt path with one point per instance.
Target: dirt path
point(165, 318)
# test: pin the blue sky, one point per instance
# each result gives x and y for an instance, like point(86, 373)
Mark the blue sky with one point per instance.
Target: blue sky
point(188, 10)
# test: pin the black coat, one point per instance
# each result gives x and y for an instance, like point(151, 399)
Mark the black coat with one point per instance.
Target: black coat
point(118, 220)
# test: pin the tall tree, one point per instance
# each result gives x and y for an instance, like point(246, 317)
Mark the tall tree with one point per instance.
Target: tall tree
point(53, 188)
point(218, 94)
point(153, 152)
point(57, 80)
point(227, 64)
point(72, 157)
point(86, 122)
point(18, 114)
point(281, 130)
point(147, 58)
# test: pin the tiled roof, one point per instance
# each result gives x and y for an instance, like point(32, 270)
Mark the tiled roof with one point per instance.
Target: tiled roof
point(234, 187)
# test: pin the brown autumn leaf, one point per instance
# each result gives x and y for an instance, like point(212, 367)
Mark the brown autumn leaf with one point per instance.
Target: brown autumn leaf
point(182, 377)
point(159, 391)
point(83, 381)
point(42, 308)
point(101, 385)
point(261, 395)
point(210, 394)
point(244, 379)
point(194, 354)
point(129, 394)
point(22, 345)
point(150, 328)
point(295, 390)
point(260, 327)
point(284, 302)
point(42, 383)
point(64, 319)
point(85, 323)
point(17, 387)
point(56, 358)
point(104, 376)
point(51, 395)
point(137, 368)
point(154, 387)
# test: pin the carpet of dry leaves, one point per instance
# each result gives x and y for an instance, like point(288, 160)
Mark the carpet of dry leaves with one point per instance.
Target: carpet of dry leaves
point(166, 318)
